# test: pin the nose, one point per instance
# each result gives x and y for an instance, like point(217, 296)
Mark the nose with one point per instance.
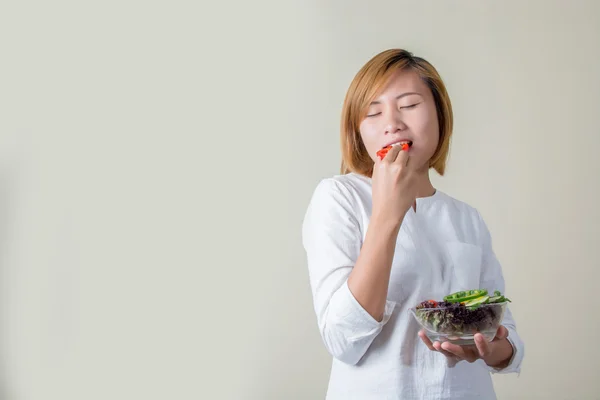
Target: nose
point(394, 124)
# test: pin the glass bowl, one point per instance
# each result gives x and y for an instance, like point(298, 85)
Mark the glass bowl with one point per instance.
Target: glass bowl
point(457, 323)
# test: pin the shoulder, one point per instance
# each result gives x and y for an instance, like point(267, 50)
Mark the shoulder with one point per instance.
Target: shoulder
point(338, 198)
point(333, 216)
point(346, 189)
point(459, 206)
point(468, 214)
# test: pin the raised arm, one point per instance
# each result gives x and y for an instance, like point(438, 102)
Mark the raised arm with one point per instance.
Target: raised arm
point(349, 278)
point(349, 315)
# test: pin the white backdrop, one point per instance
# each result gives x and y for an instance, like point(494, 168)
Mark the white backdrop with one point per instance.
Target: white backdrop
point(157, 159)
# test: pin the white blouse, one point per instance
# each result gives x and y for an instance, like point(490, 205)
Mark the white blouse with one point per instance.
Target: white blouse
point(443, 247)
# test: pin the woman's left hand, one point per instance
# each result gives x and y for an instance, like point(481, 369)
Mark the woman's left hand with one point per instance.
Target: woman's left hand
point(496, 353)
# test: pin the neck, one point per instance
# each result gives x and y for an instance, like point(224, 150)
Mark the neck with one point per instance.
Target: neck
point(424, 186)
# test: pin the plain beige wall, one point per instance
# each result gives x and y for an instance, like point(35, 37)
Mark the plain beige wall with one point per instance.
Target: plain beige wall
point(157, 159)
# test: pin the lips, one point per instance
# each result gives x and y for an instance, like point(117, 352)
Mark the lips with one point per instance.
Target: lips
point(404, 143)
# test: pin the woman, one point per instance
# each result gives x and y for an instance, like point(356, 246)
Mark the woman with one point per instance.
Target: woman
point(380, 239)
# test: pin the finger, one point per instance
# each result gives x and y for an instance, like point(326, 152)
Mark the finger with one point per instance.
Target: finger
point(392, 154)
point(438, 347)
point(402, 157)
point(426, 340)
point(502, 333)
point(459, 351)
point(483, 347)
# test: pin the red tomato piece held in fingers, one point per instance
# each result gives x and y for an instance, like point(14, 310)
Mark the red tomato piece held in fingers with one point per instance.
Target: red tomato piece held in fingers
point(381, 153)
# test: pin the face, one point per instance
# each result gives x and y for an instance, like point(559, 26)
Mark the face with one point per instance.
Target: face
point(403, 111)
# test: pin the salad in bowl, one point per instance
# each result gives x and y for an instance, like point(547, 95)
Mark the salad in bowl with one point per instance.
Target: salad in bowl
point(459, 316)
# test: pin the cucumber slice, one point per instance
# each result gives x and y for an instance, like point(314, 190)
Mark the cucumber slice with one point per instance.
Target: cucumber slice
point(477, 301)
point(499, 299)
point(467, 295)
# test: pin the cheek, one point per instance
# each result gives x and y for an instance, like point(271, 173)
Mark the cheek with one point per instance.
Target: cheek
point(433, 131)
point(428, 129)
point(368, 135)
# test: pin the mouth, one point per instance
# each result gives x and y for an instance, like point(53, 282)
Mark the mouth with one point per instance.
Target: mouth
point(406, 144)
point(398, 143)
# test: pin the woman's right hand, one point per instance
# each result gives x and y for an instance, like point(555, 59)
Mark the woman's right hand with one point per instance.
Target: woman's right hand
point(394, 186)
point(394, 192)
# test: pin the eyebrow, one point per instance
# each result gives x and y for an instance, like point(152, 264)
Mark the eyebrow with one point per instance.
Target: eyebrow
point(399, 97)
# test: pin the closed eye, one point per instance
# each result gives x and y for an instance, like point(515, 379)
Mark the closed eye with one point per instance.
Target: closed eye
point(373, 115)
point(411, 106)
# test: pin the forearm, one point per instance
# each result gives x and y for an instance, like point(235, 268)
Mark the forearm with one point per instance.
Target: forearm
point(369, 279)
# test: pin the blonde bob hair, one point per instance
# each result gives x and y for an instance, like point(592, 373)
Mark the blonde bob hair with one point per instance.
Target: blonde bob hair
point(366, 85)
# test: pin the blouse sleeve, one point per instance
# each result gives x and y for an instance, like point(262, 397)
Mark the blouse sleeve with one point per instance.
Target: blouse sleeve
point(332, 240)
point(492, 279)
